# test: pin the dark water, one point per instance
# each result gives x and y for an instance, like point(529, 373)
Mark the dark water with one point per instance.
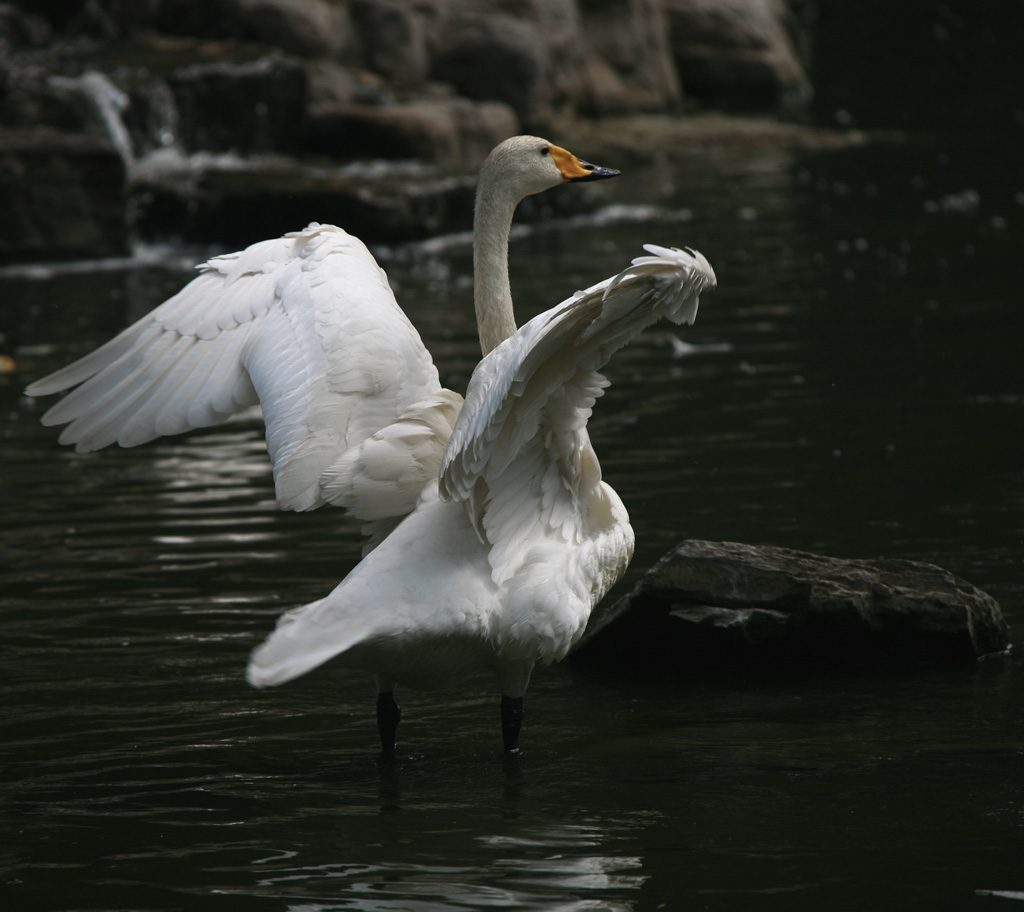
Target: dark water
point(861, 394)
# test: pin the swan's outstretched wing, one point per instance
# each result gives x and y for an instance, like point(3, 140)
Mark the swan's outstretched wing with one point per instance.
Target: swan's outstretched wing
point(519, 456)
point(519, 459)
point(305, 325)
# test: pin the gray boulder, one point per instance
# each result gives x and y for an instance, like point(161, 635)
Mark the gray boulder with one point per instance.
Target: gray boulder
point(549, 59)
point(739, 52)
point(393, 40)
point(727, 605)
point(628, 64)
point(306, 28)
point(495, 57)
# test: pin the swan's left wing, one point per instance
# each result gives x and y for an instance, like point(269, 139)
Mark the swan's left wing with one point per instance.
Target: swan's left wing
point(307, 326)
point(519, 455)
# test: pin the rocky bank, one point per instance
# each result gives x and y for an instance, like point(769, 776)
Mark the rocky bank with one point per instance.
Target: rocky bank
point(224, 120)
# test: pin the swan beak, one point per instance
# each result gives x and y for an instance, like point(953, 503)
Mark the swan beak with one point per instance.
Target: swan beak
point(574, 169)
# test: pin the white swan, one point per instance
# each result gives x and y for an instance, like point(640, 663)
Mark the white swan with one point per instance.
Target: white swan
point(492, 534)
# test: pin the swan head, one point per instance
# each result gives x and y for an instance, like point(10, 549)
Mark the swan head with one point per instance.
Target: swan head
point(525, 165)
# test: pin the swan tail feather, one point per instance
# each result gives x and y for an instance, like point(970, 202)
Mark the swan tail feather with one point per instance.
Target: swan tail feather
point(304, 639)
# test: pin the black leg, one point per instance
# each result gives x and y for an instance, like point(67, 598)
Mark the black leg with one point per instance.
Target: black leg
point(511, 722)
point(388, 717)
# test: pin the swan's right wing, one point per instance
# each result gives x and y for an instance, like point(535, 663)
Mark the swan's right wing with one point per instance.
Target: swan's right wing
point(519, 457)
point(305, 325)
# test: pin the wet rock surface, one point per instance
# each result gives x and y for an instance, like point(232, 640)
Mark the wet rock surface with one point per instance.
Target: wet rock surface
point(292, 87)
point(737, 51)
point(730, 606)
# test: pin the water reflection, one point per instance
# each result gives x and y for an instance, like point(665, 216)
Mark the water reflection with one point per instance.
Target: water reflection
point(543, 871)
point(853, 388)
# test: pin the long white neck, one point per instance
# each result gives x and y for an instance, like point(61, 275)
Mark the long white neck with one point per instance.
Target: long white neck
point(492, 294)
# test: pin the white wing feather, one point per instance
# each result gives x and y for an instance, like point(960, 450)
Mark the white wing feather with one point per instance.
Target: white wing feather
point(305, 324)
point(519, 456)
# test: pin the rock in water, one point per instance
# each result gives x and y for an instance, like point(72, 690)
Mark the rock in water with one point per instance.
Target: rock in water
point(724, 604)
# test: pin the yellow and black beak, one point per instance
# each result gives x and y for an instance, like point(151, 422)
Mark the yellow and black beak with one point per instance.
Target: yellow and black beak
point(573, 169)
